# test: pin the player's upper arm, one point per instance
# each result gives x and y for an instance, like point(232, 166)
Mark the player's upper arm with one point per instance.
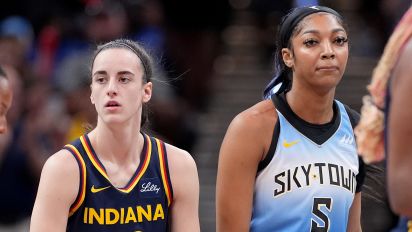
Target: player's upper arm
point(58, 188)
point(400, 136)
point(243, 147)
point(185, 184)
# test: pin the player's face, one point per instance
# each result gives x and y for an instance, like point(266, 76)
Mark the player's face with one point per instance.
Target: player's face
point(320, 52)
point(118, 90)
point(5, 102)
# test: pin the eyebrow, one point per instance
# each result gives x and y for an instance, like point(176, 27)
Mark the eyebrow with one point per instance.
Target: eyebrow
point(102, 72)
point(318, 32)
point(125, 73)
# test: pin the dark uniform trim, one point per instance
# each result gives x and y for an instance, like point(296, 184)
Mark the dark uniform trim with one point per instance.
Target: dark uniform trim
point(272, 148)
point(315, 132)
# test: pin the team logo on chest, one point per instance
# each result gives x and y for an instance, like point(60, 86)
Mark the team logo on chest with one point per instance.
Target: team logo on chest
point(150, 187)
point(346, 139)
point(287, 144)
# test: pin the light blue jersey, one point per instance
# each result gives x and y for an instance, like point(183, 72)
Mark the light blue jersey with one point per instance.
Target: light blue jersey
point(307, 186)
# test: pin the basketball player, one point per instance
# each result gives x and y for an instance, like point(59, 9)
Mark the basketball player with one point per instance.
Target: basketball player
point(5, 99)
point(289, 163)
point(399, 130)
point(117, 178)
point(390, 90)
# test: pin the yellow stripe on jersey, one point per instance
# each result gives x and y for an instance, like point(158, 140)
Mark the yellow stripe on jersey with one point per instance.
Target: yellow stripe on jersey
point(146, 162)
point(79, 200)
point(94, 161)
point(163, 170)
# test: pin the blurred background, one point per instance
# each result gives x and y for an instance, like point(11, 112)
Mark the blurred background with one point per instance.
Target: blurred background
point(213, 60)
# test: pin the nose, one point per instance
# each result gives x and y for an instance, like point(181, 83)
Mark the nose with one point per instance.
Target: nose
point(3, 125)
point(328, 52)
point(112, 88)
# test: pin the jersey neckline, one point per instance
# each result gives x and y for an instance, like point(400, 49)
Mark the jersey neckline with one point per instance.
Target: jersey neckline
point(140, 170)
point(317, 133)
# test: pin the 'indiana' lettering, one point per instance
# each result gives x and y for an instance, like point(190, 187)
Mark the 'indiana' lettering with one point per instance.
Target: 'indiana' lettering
point(316, 173)
point(111, 216)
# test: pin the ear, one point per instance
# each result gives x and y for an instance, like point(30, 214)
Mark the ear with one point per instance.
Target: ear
point(147, 92)
point(287, 57)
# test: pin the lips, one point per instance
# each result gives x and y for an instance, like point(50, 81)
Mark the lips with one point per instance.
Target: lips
point(327, 68)
point(112, 104)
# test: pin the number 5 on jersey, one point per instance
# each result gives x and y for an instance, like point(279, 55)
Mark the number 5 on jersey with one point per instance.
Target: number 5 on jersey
point(317, 203)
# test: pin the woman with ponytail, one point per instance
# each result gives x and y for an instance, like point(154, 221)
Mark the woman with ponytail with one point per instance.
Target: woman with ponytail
point(289, 163)
point(116, 177)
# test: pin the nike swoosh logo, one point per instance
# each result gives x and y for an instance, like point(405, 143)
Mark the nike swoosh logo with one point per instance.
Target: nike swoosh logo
point(287, 145)
point(96, 190)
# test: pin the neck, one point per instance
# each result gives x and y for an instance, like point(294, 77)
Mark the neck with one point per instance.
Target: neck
point(311, 106)
point(120, 144)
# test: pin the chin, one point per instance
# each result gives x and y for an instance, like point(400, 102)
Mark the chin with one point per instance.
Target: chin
point(113, 119)
point(330, 80)
point(326, 86)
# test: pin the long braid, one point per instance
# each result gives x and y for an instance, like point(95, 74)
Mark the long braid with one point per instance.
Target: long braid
point(369, 132)
point(390, 56)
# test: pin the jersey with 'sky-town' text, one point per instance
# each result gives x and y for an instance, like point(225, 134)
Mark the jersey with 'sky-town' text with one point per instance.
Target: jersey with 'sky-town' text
point(142, 205)
point(307, 186)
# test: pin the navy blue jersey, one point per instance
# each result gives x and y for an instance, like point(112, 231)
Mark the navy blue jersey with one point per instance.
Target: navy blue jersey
point(142, 205)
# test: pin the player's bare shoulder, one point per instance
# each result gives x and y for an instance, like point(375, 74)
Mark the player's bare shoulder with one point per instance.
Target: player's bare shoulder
point(60, 176)
point(62, 162)
point(179, 158)
point(260, 117)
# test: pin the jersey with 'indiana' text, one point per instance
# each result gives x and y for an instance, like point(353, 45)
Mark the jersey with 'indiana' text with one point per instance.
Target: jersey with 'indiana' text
point(142, 205)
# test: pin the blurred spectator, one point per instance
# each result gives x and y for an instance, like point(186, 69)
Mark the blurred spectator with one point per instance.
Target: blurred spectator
point(193, 42)
point(20, 28)
point(48, 42)
point(392, 11)
point(6, 97)
point(15, 202)
point(24, 149)
point(12, 52)
point(173, 118)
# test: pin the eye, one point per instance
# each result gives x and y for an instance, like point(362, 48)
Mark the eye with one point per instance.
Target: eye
point(100, 79)
point(310, 42)
point(341, 40)
point(124, 79)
